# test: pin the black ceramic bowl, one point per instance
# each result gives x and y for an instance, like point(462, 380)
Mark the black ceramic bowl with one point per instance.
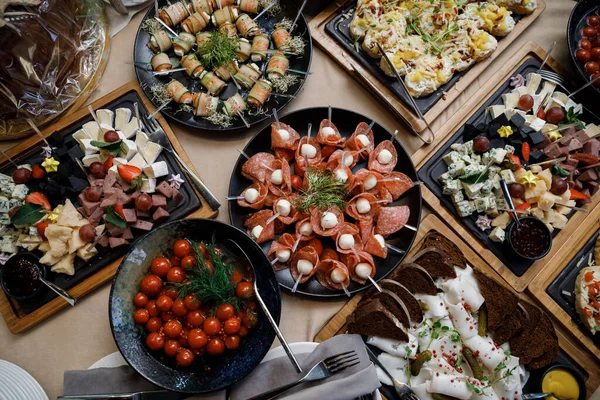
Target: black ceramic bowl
point(578, 377)
point(582, 10)
point(540, 224)
point(130, 338)
point(10, 262)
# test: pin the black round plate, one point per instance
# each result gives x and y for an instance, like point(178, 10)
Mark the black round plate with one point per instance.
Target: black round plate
point(129, 337)
point(141, 53)
point(576, 22)
point(346, 122)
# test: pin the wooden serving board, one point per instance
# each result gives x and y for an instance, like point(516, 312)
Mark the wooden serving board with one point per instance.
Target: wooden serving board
point(367, 79)
point(421, 156)
point(16, 320)
point(337, 324)
point(537, 288)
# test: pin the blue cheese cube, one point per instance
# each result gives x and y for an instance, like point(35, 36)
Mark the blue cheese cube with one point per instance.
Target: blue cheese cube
point(467, 159)
point(8, 244)
point(15, 203)
point(492, 212)
point(474, 169)
point(451, 157)
point(486, 158)
point(457, 169)
point(497, 155)
point(508, 176)
point(33, 231)
point(501, 203)
point(464, 208)
point(445, 177)
point(476, 158)
point(7, 187)
point(4, 219)
point(472, 190)
point(20, 192)
point(487, 188)
point(498, 235)
point(457, 197)
point(451, 186)
point(481, 204)
point(4, 204)
point(494, 171)
point(509, 149)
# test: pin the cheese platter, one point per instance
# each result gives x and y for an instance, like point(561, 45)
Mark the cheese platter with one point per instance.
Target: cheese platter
point(76, 213)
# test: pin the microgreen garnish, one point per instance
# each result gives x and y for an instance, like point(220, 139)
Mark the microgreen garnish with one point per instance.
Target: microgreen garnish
point(323, 191)
point(217, 50)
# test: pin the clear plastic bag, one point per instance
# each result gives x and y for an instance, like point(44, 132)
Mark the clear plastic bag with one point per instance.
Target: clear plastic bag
point(51, 56)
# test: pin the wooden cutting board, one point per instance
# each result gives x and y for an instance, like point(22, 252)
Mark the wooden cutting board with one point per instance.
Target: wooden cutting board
point(16, 320)
point(337, 324)
point(380, 89)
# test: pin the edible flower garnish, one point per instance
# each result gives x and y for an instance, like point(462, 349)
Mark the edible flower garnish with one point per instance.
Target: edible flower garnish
point(529, 179)
point(505, 131)
point(484, 222)
point(47, 151)
point(517, 81)
point(50, 164)
point(176, 181)
point(53, 216)
point(554, 135)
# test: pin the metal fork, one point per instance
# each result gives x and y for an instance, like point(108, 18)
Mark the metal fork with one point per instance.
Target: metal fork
point(403, 391)
point(323, 369)
point(158, 135)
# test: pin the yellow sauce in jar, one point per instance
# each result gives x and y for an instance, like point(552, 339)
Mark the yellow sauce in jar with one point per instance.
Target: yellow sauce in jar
point(562, 383)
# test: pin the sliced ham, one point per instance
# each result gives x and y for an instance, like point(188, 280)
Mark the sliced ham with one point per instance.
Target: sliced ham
point(109, 181)
point(335, 139)
point(286, 186)
point(278, 143)
point(160, 215)
point(324, 270)
point(315, 221)
point(116, 242)
point(262, 196)
point(284, 242)
point(130, 215)
point(256, 166)
point(142, 225)
point(392, 219)
point(354, 144)
point(308, 254)
point(375, 165)
point(177, 197)
point(159, 200)
point(397, 184)
point(260, 218)
point(352, 210)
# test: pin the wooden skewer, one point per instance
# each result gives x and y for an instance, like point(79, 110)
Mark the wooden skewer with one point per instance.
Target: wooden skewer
point(93, 114)
point(183, 40)
point(547, 55)
point(296, 283)
point(167, 27)
point(412, 228)
point(243, 154)
point(394, 248)
point(589, 166)
point(274, 261)
point(554, 161)
point(394, 135)
point(346, 290)
point(296, 71)
point(9, 159)
point(273, 218)
point(236, 83)
point(243, 119)
point(82, 167)
point(515, 210)
point(267, 8)
point(159, 109)
point(167, 71)
point(329, 115)
point(95, 242)
point(375, 284)
point(297, 243)
point(298, 16)
point(584, 86)
point(234, 198)
point(564, 127)
point(156, 8)
point(573, 207)
point(36, 129)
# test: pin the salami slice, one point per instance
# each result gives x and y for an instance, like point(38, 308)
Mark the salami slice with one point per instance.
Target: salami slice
point(294, 214)
point(260, 219)
point(256, 166)
point(344, 174)
point(285, 154)
point(301, 160)
point(315, 221)
point(335, 160)
point(299, 230)
point(334, 139)
point(260, 201)
point(349, 229)
point(366, 229)
point(355, 144)
point(353, 261)
point(270, 199)
point(392, 219)
point(326, 268)
point(352, 209)
point(364, 180)
point(278, 142)
point(285, 188)
point(372, 246)
point(397, 183)
point(284, 242)
point(376, 165)
point(309, 254)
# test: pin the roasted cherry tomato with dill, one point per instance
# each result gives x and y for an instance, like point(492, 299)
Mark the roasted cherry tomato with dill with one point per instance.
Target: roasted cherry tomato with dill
point(182, 248)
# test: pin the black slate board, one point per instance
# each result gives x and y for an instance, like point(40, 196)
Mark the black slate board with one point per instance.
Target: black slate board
point(565, 281)
point(105, 256)
point(339, 29)
point(435, 166)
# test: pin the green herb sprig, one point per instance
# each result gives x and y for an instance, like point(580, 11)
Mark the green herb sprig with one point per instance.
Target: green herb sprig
point(323, 191)
point(218, 50)
point(572, 117)
point(114, 218)
point(28, 213)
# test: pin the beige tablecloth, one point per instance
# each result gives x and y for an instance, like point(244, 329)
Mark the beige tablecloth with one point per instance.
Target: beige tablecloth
point(76, 338)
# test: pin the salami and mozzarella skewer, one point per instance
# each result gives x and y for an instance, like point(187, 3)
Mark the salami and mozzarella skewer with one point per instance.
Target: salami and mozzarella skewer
point(258, 229)
point(383, 158)
point(303, 265)
point(281, 251)
point(304, 231)
point(334, 275)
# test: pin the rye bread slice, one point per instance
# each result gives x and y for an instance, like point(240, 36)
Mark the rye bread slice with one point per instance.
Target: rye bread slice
point(545, 359)
point(415, 278)
point(393, 303)
point(499, 300)
point(436, 239)
point(374, 319)
point(412, 304)
point(525, 344)
point(512, 325)
point(436, 262)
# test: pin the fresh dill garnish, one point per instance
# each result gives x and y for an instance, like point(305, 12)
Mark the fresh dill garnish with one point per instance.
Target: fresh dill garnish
point(217, 50)
point(323, 191)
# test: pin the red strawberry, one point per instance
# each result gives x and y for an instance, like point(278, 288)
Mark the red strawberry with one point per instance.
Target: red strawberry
point(585, 159)
point(39, 198)
point(525, 151)
point(38, 172)
point(119, 210)
point(512, 162)
point(108, 163)
point(41, 228)
point(541, 114)
point(130, 174)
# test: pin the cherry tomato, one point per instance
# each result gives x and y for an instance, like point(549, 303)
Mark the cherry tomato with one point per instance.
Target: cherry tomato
point(244, 290)
point(183, 338)
point(96, 170)
point(585, 44)
point(236, 277)
point(316, 244)
point(243, 331)
point(215, 347)
point(593, 20)
point(210, 266)
point(172, 292)
point(171, 348)
point(225, 311)
point(582, 55)
point(192, 302)
point(182, 248)
point(212, 326)
point(140, 299)
point(526, 102)
point(597, 83)
point(154, 324)
point(232, 326)
point(167, 316)
point(197, 339)
point(184, 358)
point(591, 67)
point(152, 309)
point(173, 328)
point(232, 342)
point(329, 254)
point(195, 318)
point(143, 202)
point(160, 266)
point(175, 261)
point(296, 182)
point(151, 285)
point(188, 262)
point(588, 32)
point(141, 316)
point(250, 319)
point(203, 250)
point(164, 303)
point(178, 309)
point(155, 341)
point(595, 54)
point(175, 274)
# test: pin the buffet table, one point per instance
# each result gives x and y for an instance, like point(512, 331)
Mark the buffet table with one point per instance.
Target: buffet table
point(76, 338)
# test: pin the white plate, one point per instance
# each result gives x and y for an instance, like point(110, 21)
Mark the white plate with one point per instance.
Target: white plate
point(17, 384)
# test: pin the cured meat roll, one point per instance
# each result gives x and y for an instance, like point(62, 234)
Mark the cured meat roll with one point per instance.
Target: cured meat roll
point(196, 22)
point(281, 249)
point(335, 159)
point(278, 178)
point(256, 167)
point(200, 6)
point(204, 104)
point(260, 45)
point(258, 229)
point(183, 43)
point(384, 158)
point(254, 196)
point(348, 240)
point(277, 67)
point(304, 230)
point(392, 219)
point(304, 262)
point(284, 136)
point(344, 175)
point(161, 62)
point(246, 25)
point(160, 42)
point(329, 135)
point(397, 183)
point(333, 275)
point(326, 222)
point(288, 213)
point(281, 37)
point(362, 138)
point(179, 93)
point(360, 268)
point(192, 65)
point(308, 151)
point(363, 206)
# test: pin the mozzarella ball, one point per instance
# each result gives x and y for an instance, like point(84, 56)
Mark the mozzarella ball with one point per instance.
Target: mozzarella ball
point(348, 160)
point(305, 267)
point(328, 220)
point(380, 239)
point(384, 156)
point(341, 175)
point(283, 207)
point(306, 229)
point(283, 255)
point(251, 195)
point(256, 231)
point(327, 131)
point(363, 140)
point(363, 270)
point(308, 150)
point(363, 206)
point(338, 275)
point(283, 134)
point(370, 182)
point(277, 177)
point(346, 241)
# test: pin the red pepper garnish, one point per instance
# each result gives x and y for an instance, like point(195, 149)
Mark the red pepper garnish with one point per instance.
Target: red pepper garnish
point(525, 151)
point(577, 195)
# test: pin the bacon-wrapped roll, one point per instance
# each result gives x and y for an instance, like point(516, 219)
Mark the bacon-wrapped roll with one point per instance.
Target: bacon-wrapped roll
point(196, 22)
point(160, 42)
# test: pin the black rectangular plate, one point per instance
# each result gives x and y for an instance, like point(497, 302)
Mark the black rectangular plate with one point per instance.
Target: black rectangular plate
point(431, 171)
point(565, 281)
point(106, 255)
point(339, 29)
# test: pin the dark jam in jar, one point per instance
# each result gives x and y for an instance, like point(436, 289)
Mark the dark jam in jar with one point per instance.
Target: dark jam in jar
point(530, 238)
point(21, 277)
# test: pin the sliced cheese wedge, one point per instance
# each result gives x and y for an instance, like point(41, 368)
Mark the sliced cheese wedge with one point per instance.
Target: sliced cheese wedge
point(122, 116)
